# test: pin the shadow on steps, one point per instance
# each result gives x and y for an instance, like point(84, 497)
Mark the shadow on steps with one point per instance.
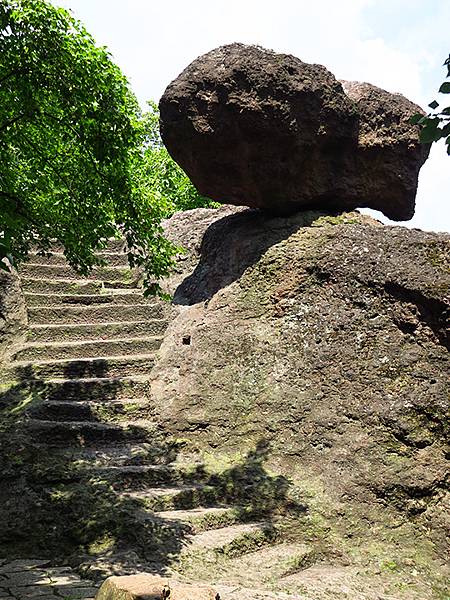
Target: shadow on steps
point(101, 504)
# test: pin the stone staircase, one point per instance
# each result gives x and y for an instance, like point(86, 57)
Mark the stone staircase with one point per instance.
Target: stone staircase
point(129, 497)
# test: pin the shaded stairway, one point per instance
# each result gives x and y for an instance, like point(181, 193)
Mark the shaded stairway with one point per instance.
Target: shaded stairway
point(101, 482)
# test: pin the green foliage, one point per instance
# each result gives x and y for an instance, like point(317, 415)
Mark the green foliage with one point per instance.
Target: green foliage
point(170, 184)
point(436, 125)
point(77, 155)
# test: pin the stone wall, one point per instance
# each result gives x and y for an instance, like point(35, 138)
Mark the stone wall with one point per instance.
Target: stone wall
point(13, 314)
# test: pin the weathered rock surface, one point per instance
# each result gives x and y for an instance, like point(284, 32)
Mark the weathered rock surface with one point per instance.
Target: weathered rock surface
point(145, 586)
point(255, 128)
point(388, 157)
point(13, 315)
point(291, 438)
point(326, 339)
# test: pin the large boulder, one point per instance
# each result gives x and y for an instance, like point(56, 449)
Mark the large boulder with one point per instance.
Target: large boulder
point(256, 128)
point(146, 586)
point(388, 156)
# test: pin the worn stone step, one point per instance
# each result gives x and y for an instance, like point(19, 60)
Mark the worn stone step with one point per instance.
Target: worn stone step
point(86, 410)
point(96, 388)
point(241, 592)
point(104, 296)
point(88, 349)
point(81, 433)
point(111, 366)
point(110, 245)
point(120, 454)
point(234, 540)
point(93, 331)
point(60, 286)
point(266, 565)
point(41, 315)
point(44, 270)
point(70, 462)
point(113, 259)
point(27, 579)
point(141, 477)
point(181, 496)
point(202, 519)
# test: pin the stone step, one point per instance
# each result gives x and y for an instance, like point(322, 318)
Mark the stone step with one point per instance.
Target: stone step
point(97, 388)
point(85, 410)
point(93, 331)
point(239, 592)
point(81, 433)
point(169, 498)
point(39, 285)
point(113, 259)
point(111, 366)
point(104, 296)
point(110, 245)
point(266, 565)
point(26, 579)
point(44, 270)
point(141, 477)
point(70, 462)
point(88, 349)
point(119, 454)
point(231, 541)
point(41, 315)
point(201, 519)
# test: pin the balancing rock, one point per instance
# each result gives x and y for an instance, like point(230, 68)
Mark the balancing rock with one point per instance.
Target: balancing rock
point(255, 128)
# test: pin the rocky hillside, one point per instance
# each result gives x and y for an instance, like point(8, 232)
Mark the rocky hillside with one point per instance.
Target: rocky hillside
point(323, 340)
point(287, 437)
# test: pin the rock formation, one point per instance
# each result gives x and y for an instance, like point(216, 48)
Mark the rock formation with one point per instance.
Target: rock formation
point(326, 338)
point(255, 128)
point(280, 429)
point(146, 586)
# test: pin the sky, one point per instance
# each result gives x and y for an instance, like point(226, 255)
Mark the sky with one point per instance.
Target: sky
point(398, 45)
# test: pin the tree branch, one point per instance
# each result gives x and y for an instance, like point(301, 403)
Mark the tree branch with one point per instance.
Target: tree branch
point(49, 163)
point(11, 73)
point(12, 121)
point(77, 134)
point(18, 205)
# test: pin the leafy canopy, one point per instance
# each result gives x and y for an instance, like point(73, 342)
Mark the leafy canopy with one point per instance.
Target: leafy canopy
point(169, 183)
point(436, 125)
point(77, 156)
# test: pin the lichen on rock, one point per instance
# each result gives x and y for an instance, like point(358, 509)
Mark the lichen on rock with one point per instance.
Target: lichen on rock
point(326, 337)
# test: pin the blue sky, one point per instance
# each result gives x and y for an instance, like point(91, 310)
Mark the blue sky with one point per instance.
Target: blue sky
point(399, 45)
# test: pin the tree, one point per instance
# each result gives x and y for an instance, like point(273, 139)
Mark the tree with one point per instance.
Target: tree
point(73, 147)
point(167, 180)
point(436, 125)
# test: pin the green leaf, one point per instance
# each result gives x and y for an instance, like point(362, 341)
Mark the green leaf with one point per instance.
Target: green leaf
point(79, 161)
point(433, 104)
point(445, 130)
point(415, 119)
point(445, 88)
point(431, 132)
